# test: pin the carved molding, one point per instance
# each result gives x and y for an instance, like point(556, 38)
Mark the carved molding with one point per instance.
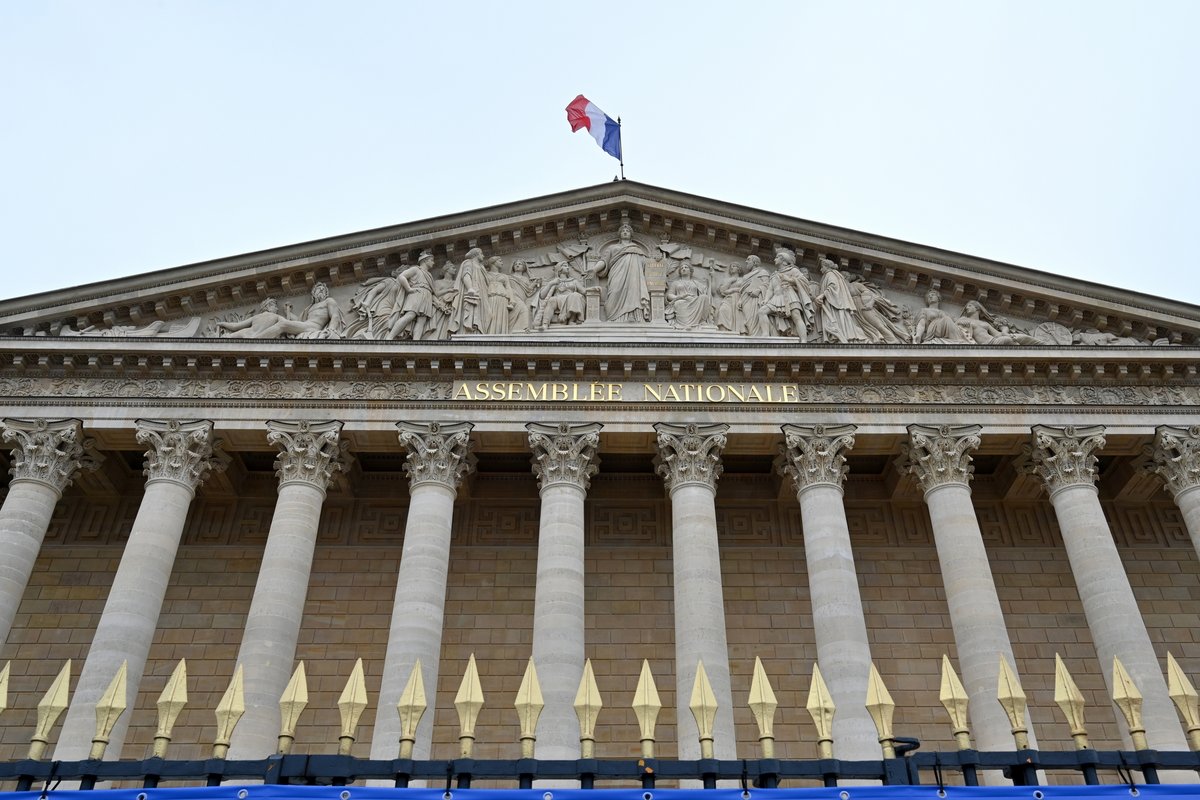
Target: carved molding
point(48, 451)
point(816, 454)
point(1065, 457)
point(564, 453)
point(438, 452)
point(940, 455)
point(1176, 457)
point(183, 452)
point(689, 454)
point(310, 452)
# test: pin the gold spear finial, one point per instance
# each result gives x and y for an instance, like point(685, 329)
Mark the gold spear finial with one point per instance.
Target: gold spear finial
point(170, 704)
point(1070, 700)
point(411, 708)
point(50, 708)
point(529, 705)
point(291, 703)
point(4, 687)
point(762, 704)
point(954, 699)
point(1186, 699)
point(1129, 700)
point(881, 707)
point(821, 708)
point(703, 705)
point(1012, 700)
point(587, 709)
point(468, 701)
point(646, 706)
point(109, 708)
point(351, 704)
point(229, 711)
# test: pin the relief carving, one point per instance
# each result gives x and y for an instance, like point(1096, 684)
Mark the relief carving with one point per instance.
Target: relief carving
point(940, 455)
point(689, 454)
point(1065, 457)
point(310, 452)
point(48, 451)
point(816, 454)
point(437, 452)
point(564, 453)
point(183, 452)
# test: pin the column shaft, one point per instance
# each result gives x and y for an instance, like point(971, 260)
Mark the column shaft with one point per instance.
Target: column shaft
point(558, 621)
point(1189, 506)
point(130, 617)
point(24, 518)
point(268, 646)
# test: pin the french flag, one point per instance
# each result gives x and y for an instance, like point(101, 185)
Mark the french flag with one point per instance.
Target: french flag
point(582, 113)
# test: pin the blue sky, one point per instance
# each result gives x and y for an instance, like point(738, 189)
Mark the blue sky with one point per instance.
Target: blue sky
point(143, 135)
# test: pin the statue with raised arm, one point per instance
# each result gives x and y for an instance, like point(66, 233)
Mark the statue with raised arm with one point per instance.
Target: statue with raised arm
point(627, 296)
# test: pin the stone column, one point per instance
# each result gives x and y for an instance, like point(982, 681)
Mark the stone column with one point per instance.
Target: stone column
point(564, 459)
point(689, 461)
point(940, 458)
point(45, 456)
point(816, 462)
point(310, 454)
point(1064, 459)
point(1176, 458)
point(179, 458)
point(439, 456)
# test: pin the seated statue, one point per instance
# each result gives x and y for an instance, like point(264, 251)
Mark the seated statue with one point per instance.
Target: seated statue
point(689, 304)
point(561, 300)
point(321, 320)
point(935, 326)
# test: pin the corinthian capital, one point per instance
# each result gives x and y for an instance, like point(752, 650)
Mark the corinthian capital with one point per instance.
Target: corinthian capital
point(564, 453)
point(182, 452)
point(437, 452)
point(816, 454)
point(1176, 457)
point(1064, 457)
point(940, 455)
point(689, 454)
point(46, 451)
point(309, 452)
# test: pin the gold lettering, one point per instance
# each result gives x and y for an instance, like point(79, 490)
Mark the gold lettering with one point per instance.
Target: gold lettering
point(737, 393)
point(771, 393)
point(614, 391)
point(483, 391)
point(791, 394)
point(754, 394)
point(463, 392)
point(537, 391)
point(514, 391)
point(575, 392)
point(500, 391)
point(596, 392)
point(559, 391)
point(652, 392)
point(708, 393)
point(672, 393)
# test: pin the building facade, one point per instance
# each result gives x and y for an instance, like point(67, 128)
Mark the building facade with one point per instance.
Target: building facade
point(618, 424)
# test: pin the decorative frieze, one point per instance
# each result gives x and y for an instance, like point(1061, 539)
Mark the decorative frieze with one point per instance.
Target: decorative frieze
point(437, 452)
point(938, 455)
point(48, 451)
point(1065, 457)
point(689, 454)
point(1176, 457)
point(310, 452)
point(184, 452)
point(564, 453)
point(816, 454)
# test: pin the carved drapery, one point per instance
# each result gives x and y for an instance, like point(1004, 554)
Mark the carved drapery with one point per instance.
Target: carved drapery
point(47, 451)
point(309, 452)
point(184, 452)
point(1176, 457)
point(816, 454)
point(564, 453)
point(437, 452)
point(1065, 457)
point(938, 455)
point(689, 454)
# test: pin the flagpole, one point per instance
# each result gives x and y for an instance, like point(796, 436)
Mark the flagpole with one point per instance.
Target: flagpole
point(621, 160)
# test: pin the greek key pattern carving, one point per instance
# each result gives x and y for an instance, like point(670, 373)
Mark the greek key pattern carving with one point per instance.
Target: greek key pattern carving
point(1176, 457)
point(1065, 457)
point(310, 452)
point(689, 454)
point(564, 453)
point(816, 454)
point(496, 523)
point(640, 523)
point(748, 524)
point(47, 451)
point(182, 452)
point(437, 452)
point(940, 455)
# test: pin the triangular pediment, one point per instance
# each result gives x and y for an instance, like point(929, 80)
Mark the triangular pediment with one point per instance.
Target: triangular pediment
point(692, 268)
